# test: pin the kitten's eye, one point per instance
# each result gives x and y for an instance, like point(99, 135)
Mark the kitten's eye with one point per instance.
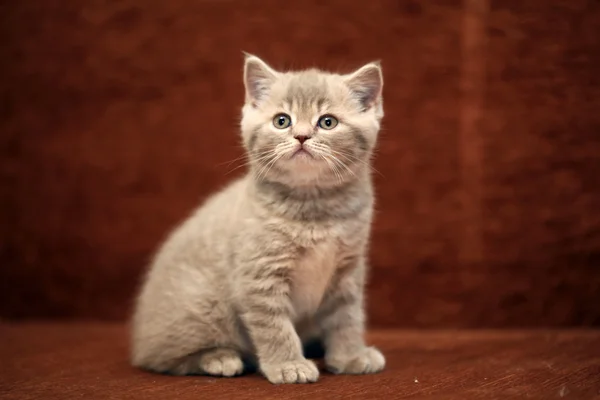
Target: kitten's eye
point(327, 122)
point(282, 121)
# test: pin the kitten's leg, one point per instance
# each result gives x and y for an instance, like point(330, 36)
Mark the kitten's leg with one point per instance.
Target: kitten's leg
point(167, 338)
point(342, 319)
point(168, 346)
point(265, 309)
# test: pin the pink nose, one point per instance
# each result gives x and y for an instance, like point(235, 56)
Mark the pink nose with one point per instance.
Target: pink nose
point(301, 138)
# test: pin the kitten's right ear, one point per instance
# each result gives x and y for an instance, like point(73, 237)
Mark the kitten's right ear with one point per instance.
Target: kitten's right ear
point(366, 84)
point(258, 78)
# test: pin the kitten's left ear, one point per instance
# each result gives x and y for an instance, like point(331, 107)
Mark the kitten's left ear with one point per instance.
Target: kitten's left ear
point(258, 78)
point(366, 84)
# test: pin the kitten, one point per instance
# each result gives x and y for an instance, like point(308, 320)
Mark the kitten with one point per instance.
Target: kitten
point(278, 256)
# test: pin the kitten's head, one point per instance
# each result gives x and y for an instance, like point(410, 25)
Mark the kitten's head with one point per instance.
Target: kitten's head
point(310, 127)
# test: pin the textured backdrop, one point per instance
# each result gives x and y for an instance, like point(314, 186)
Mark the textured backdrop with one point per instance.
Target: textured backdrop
point(118, 118)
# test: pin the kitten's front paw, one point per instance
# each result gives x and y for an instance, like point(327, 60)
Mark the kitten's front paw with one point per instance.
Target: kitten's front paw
point(300, 371)
point(369, 360)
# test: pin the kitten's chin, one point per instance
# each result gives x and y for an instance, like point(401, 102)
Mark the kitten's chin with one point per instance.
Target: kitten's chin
point(302, 167)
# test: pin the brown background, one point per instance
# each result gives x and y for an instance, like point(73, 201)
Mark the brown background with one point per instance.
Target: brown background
point(119, 117)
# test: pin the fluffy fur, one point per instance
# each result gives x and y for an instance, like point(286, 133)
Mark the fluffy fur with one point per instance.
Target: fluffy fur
point(277, 257)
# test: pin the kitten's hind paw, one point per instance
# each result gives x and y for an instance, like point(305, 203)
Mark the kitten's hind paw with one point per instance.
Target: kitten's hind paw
point(300, 371)
point(221, 362)
point(369, 360)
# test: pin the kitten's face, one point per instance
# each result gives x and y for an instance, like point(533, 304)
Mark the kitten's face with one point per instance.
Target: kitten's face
point(310, 127)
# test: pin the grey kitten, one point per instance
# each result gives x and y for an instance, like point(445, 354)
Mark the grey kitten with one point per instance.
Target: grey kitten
point(278, 256)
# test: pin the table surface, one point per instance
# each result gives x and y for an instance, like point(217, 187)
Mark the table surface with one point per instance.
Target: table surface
point(89, 360)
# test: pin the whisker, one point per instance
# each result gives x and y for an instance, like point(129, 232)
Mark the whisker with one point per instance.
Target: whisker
point(278, 153)
point(232, 161)
point(265, 155)
point(343, 165)
point(324, 151)
point(272, 163)
point(333, 168)
point(245, 155)
point(238, 167)
point(351, 157)
point(265, 166)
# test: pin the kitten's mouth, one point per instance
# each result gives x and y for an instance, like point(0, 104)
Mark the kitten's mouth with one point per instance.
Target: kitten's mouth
point(302, 153)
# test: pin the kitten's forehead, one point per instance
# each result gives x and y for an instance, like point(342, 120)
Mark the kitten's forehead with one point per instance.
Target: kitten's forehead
point(308, 90)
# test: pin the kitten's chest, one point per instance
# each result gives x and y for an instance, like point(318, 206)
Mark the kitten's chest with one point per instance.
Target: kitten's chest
point(311, 276)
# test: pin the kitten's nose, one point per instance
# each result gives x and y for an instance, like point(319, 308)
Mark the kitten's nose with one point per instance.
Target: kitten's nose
point(301, 138)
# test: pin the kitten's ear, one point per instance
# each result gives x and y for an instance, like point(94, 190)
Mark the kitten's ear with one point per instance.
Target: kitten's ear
point(258, 78)
point(366, 84)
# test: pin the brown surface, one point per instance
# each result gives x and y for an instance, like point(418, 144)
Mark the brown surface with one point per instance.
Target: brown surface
point(54, 361)
point(118, 117)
